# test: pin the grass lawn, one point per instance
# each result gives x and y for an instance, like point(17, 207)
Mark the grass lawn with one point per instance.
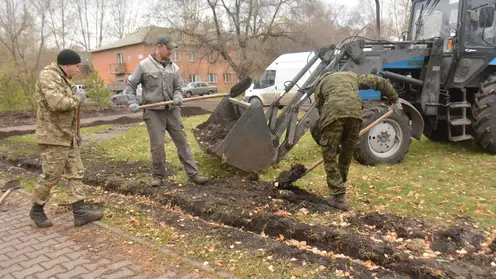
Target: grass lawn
point(435, 181)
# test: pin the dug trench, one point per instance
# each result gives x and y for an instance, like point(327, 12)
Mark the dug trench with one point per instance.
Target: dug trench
point(404, 246)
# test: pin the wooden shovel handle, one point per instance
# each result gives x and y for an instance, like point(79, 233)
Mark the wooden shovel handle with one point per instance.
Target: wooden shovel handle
point(184, 100)
point(78, 121)
point(362, 132)
point(5, 195)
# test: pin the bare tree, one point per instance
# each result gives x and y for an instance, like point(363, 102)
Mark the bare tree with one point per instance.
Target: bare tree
point(21, 35)
point(60, 15)
point(235, 29)
point(401, 15)
point(101, 25)
point(84, 24)
point(125, 17)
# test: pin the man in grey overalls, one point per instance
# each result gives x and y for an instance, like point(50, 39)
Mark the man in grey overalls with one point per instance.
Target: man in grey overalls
point(161, 81)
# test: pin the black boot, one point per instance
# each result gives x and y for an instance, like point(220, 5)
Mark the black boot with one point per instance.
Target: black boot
point(83, 216)
point(339, 202)
point(38, 215)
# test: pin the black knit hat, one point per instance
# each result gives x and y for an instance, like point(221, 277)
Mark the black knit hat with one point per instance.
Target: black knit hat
point(68, 57)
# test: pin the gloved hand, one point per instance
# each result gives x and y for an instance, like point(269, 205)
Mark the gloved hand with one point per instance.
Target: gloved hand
point(81, 95)
point(177, 101)
point(397, 106)
point(79, 140)
point(134, 107)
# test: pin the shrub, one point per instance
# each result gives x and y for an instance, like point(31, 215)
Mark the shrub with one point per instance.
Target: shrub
point(13, 97)
point(96, 90)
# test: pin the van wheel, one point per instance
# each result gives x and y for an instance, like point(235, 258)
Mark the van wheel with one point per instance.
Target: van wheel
point(255, 100)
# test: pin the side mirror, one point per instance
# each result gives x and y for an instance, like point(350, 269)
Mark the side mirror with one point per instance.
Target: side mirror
point(486, 17)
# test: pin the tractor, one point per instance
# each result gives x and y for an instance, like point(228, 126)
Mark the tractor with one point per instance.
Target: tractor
point(443, 70)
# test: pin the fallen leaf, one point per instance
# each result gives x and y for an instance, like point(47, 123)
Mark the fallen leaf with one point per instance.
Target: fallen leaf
point(281, 237)
point(282, 213)
point(461, 252)
point(304, 211)
point(271, 268)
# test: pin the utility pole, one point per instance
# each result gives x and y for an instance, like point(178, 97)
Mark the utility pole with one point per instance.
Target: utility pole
point(378, 18)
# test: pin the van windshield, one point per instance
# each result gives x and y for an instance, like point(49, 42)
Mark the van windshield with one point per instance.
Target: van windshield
point(268, 78)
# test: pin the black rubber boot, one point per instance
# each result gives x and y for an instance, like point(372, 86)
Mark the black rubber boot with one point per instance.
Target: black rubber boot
point(83, 216)
point(38, 215)
point(339, 202)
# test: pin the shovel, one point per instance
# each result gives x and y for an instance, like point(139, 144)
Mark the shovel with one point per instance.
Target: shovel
point(235, 91)
point(9, 186)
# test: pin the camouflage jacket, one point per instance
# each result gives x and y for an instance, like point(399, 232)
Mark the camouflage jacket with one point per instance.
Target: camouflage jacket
point(57, 107)
point(337, 95)
point(159, 83)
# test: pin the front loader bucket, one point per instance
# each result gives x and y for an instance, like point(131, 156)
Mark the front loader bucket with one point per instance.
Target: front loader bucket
point(237, 132)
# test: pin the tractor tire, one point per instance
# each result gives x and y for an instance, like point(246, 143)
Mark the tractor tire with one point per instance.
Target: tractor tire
point(484, 114)
point(387, 143)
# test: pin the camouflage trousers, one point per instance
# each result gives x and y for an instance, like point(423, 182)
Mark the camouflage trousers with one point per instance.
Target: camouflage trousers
point(343, 131)
point(58, 160)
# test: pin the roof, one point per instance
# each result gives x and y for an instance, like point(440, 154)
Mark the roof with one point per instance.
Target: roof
point(146, 35)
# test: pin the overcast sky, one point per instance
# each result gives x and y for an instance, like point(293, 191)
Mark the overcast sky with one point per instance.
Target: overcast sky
point(349, 3)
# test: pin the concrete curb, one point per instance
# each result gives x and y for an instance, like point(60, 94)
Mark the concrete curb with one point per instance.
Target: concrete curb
point(148, 244)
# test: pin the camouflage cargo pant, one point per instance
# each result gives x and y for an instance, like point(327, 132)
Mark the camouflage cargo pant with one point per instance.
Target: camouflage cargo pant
point(343, 131)
point(58, 160)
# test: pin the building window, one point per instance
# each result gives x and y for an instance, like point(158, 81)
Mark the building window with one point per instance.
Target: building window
point(120, 58)
point(194, 78)
point(228, 77)
point(192, 56)
point(175, 55)
point(211, 77)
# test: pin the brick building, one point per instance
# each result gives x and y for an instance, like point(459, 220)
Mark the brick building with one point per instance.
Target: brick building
point(115, 61)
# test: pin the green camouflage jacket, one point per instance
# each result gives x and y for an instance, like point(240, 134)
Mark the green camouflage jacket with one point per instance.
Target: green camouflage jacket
point(337, 95)
point(57, 107)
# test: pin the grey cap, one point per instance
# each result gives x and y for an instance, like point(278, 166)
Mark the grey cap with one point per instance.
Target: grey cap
point(167, 41)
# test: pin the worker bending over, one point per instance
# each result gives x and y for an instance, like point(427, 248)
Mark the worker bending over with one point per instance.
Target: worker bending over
point(340, 110)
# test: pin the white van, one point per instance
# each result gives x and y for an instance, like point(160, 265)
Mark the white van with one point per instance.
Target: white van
point(270, 85)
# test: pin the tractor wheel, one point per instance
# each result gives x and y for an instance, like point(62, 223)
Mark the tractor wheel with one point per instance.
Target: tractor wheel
point(386, 143)
point(484, 113)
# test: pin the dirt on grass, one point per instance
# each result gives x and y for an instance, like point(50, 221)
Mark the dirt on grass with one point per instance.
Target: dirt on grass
point(14, 119)
point(398, 246)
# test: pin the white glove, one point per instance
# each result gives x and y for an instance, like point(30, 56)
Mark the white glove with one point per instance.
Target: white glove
point(397, 106)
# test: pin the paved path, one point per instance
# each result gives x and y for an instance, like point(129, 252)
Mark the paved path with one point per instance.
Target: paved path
point(29, 252)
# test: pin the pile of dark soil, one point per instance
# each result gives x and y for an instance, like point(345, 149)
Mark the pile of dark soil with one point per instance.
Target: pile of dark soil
point(208, 134)
point(286, 178)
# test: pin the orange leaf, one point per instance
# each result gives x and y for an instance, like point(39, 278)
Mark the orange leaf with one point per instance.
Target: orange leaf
point(281, 237)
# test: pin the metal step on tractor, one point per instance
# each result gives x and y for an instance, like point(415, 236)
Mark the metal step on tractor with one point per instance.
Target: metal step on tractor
point(444, 71)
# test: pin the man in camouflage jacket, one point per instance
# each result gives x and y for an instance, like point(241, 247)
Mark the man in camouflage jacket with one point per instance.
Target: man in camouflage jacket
point(340, 110)
point(161, 81)
point(57, 106)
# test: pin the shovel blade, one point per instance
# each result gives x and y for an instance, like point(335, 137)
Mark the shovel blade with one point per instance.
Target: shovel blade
point(248, 144)
point(12, 184)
